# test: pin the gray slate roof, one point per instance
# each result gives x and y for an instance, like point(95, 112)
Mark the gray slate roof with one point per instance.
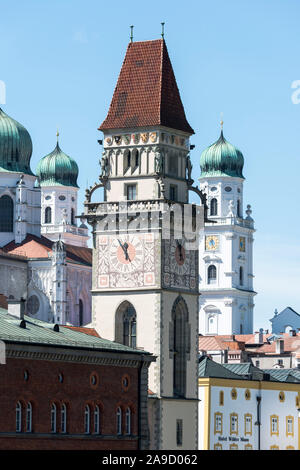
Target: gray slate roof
point(40, 332)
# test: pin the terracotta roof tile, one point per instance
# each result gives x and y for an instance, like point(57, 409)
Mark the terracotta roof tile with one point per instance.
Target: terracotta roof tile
point(41, 247)
point(82, 329)
point(146, 93)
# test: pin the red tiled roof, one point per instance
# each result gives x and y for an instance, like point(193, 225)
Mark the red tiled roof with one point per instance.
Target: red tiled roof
point(41, 247)
point(146, 93)
point(291, 343)
point(82, 329)
point(219, 343)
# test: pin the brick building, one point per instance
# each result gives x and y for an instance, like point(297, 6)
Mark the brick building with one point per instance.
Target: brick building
point(66, 388)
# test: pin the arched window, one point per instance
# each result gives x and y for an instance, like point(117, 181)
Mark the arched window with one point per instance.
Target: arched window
point(18, 417)
point(119, 421)
point(211, 274)
point(128, 421)
point(87, 419)
point(73, 217)
point(96, 420)
point(48, 215)
point(135, 159)
point(29, 417)
point(214, 207)
point(241, 276)
point(179, 345)
point(126, 160)
point(125, 325)
point(238, 209)
point(53, 418)
point(80, 312)
point(63, 416)
point(6, 214)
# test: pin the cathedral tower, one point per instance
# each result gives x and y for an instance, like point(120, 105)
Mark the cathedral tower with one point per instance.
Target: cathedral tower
point(57, 174)
point(145, 290)
point(226, 251)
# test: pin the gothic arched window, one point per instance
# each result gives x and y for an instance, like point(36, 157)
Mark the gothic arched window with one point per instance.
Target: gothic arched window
point(29, 417)
point(6, 214)
point(63, 417)
point(80, 312)
point(48, 215)
point(97, 420)
point(179, 345)
point(53, 418)
point(128, 421)
point(126, 160)
point(119, 421)
point(214, 207)
point(87, 419)
point(125, 324)
point(18, 417)
point(211, 274)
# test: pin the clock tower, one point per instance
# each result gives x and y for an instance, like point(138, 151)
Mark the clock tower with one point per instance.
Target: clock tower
point(226, 250)
point(145, 266)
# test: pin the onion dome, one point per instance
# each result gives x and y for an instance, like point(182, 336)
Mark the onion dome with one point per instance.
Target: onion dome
point(15, 146)
point(57, 169)
point(222, 159)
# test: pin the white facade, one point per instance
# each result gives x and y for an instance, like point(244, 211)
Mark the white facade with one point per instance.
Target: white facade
point(229, 411)
point(26, 198)
point(59, 209)
point(226, 260)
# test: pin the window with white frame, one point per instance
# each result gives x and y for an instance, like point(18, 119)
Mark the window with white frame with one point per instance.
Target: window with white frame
point(53, 418)
point(97, 420)
point(119, 421)
point(248, 424)
point(289, 426)
point(18, 417)
point(128, 421)
point(87, 419)
point(218, 423)
point(274, 425)
point(233, 423)
point(63, 416)
point(29, 417)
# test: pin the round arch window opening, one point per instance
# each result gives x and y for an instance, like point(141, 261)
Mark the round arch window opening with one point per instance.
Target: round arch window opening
point(33, 305)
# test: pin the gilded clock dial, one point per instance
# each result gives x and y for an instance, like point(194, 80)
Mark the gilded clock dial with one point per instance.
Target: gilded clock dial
point(211, 242)
point(126, 253)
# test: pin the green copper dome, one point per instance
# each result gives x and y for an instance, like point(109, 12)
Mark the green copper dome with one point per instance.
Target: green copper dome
point(15, 146)
point(57, 169)
point(222, 159)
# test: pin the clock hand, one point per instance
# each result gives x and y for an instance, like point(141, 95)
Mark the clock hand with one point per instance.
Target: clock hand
point(125, 251)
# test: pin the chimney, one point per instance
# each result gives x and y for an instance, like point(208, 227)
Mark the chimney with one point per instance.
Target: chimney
point(16, 308)
point(293, 333)
point(259, 336)
point(279, 346)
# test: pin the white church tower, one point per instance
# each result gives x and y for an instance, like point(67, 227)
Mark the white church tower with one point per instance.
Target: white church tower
point(145, 289)
point(226, 250)
point(57, 174)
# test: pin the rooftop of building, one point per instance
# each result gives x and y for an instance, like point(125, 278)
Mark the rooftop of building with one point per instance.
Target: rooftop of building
point(39, 332)
point(146, 93)
point(245, 371)
point(41, 247)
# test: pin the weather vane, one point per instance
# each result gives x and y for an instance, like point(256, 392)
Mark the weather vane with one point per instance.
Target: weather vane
point(163, 30)
point(57, 135)
point(131, 33)
point(222, 122)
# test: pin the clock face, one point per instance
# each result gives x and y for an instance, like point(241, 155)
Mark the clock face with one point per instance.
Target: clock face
point(211, 242)
point(178, 257)
point(126, 253)
point(242, 244)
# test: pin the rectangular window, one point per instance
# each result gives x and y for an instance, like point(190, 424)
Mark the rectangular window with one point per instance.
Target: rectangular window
point(179, 431)
point(233, 423)
point(274, 425)
point(131, 192)
point(289, 426)
point(257, 363)
point(248, 424)
point(218, 423)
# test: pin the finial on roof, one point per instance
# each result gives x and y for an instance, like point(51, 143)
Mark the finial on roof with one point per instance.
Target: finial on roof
point(131, 33)
point(222, 122)
point(57, 135)
point(163, 30)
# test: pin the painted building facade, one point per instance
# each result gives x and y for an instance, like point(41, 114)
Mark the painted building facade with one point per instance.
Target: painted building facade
point(244, 408)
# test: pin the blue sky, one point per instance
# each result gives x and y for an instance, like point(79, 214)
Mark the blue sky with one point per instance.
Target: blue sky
point(60, 60)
